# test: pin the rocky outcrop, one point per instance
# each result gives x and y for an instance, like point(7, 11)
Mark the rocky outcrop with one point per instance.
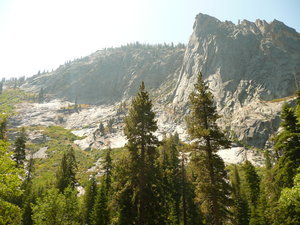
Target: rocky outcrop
point(246, 67)
point(241, 63)
point(110, 75)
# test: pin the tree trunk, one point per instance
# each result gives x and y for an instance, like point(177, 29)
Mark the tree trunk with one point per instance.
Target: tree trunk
point(183, 190)
point(213, 191)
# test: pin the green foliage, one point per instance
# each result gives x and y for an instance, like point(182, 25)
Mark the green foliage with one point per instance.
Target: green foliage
point(288, 144)
point(101, 129)
point(58, 140)
point(110, 125)
point(146, 184)
point(212, 189)
point(28, 201)
point(252, 182)
point(60, 133)
point(10, 183)
point(123, 193)
point(289, 202)
point(281, 99)
point(100, 213)
point(67, 170)
point(201, 123)
point(144, 179)
point(171, 180)
point(20, 147)
point(240, 207)
point(288, 118)
point(89, 200)
point(10, 97)
point(3, 122)
point(107, 167)
point(10, 213)
point(41, 97)
point(271, 208)
point(56, 208)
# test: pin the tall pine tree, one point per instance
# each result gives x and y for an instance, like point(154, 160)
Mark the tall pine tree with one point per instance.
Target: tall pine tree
point(252, 182)
point(20, 147)
point(41, 97)
point(288, 144)
point(89, 200)
point(101, 213)
point(107, 166)
point(171, 180)
point(144, 180)
point(240, 207)
point(65, 175)
point(213, 189)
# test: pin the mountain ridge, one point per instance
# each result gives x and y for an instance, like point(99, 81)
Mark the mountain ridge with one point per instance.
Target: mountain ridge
point(244, 65)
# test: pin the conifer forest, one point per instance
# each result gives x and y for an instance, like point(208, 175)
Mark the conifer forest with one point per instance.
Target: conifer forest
point(152, 181)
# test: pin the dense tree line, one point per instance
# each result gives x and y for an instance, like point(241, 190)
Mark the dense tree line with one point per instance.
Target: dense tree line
point(161, 182)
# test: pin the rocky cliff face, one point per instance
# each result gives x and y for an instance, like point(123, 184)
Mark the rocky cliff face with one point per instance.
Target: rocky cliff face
point(241, 62)
point(247, 66)
point(110, 75)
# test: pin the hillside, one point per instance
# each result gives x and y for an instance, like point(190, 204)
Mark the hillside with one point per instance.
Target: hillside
point(110, 75)
point(245, 65)
point(89, 143)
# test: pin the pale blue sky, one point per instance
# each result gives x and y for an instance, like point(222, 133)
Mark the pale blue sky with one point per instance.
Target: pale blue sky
point(42, 34)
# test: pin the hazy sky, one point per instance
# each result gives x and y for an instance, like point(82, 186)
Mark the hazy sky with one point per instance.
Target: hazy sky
point(42, 34)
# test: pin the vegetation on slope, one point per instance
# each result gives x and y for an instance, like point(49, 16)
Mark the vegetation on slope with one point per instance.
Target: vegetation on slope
point(153, 182)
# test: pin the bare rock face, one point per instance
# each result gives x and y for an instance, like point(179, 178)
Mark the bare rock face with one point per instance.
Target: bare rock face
point(110, 75)
point(245, 61)
point(244, 65)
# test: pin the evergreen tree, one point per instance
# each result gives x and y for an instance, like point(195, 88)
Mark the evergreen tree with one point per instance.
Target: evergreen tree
point(89, 200)
point(28, 201)
point(212, 188)
point(297, 110)
point(57, 208)
point(20, 147)
point(67, 170)
point(29, 171)
point(144, 180)
point(252, 190)
point(288, 144)
point(1, 88)
point(101, 129)
point(110, 125)
point(10, 187)
point(171, 180)
point(268, 162)
point(252, 182)
point(123, 192)
point(100, 213)
point(107, 166)
point(3, 123)
point(28, 196)
point(240, 207)
point(289, 202)
point(41, 97)
point(193, 215)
